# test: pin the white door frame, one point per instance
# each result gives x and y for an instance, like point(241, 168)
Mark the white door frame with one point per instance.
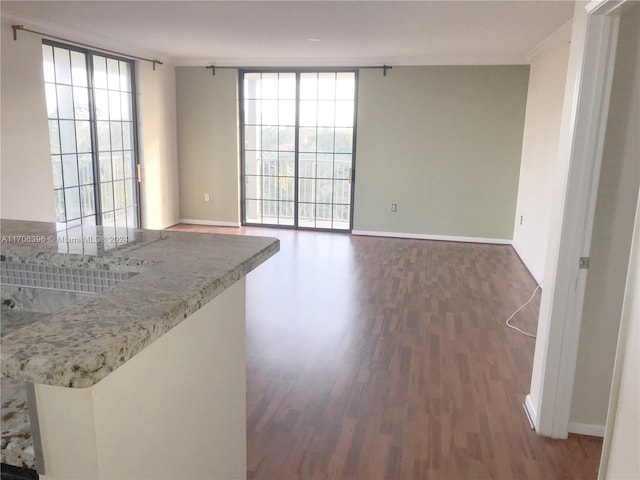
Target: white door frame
point(594, 41)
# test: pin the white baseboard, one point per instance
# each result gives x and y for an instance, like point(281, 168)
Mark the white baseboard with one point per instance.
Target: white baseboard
point(574, 427)
point(211, 223)
point(163, 226)
point(536, 275)
point(420, 236)
point(586, 429)
point(530, 410)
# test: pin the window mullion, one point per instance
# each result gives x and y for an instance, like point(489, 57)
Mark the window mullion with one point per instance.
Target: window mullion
point(55, 88)
point(94, 140)
point(296, 154)
point(135, 151)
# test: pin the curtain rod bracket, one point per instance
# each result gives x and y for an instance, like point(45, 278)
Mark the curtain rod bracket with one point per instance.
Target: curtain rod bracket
point(385, 68)
point(213, 69)
point(15, 31)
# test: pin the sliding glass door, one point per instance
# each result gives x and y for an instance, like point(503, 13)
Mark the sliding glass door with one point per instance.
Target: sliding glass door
point(269, 132)
point(91, 112)
point(298, 137)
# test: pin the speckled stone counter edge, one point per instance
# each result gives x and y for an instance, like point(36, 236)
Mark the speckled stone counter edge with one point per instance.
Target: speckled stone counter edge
point(84, 343)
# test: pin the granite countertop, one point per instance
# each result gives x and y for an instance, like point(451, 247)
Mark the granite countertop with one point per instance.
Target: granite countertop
point(174, 274)
point(152, 280)
point(17, 443)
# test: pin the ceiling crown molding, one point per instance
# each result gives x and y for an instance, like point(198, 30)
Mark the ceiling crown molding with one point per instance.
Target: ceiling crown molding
point(314, 62)
point(557, 38)
point(607, 7)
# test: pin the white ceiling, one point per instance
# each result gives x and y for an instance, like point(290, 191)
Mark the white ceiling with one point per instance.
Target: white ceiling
point(303, 33)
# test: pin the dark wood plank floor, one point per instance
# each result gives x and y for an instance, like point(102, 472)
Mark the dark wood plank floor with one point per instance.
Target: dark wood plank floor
point(372, 358)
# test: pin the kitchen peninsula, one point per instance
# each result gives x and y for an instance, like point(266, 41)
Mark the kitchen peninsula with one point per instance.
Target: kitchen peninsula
point(131, 347)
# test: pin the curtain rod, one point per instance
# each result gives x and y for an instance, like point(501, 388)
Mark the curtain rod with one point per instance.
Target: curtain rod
point(66, 40)
point(385, 68)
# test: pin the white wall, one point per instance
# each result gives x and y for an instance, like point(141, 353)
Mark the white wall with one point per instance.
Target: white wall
point(27, 179)
point(611, 239)
point(25, 166)
point(547, 79)
point(547, 342)
point(158, 145)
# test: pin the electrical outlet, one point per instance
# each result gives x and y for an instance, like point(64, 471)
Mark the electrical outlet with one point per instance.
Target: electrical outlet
point(521, 218)
point(394, 207)
point(206, 197)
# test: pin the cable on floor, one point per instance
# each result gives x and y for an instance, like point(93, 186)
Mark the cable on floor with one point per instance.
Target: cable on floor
point(518, 310)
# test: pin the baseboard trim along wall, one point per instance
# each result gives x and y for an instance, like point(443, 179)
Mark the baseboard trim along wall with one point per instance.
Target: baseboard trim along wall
point(586, 429)
point(574, 427)
point(420, 236)
point(538, 276)
point(210, 223)
point(530, 411)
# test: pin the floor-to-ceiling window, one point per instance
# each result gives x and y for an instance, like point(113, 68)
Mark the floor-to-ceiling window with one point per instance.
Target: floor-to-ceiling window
point(91, 111)
point(298, 131)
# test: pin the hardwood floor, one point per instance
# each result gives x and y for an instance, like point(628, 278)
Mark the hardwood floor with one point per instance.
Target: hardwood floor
point(372, 358)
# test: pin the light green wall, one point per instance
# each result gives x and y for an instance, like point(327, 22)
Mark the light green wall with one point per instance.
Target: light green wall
point(208, 144)
point(444, 144)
